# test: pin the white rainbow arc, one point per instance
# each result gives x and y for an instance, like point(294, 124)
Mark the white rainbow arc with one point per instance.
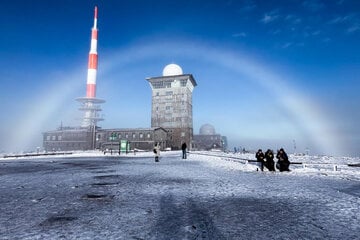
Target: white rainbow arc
point(305, 113)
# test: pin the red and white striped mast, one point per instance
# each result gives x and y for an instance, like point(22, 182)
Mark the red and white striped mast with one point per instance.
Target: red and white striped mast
point(90, 104)
point(93, 60)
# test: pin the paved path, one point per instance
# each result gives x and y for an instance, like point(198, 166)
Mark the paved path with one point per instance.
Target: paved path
point(136, 198)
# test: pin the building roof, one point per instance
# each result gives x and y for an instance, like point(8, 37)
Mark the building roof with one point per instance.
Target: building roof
point(171, 78)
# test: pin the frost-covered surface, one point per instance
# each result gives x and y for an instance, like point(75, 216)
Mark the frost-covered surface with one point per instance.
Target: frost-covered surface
point(305, 165)
point(92, 196)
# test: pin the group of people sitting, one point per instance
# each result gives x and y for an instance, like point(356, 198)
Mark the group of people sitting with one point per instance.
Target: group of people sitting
point(267, 160)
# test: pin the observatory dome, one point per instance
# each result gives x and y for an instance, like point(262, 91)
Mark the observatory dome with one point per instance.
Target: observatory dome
point(172, 70)
point(207, 129)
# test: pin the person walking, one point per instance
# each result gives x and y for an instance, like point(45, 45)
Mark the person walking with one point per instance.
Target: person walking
point(183, 148)
point(283, 161)
point(269, 157)
point(260, 158)
point(157, 152)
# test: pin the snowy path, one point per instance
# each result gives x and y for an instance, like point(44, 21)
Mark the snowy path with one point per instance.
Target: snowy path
point(197, 198)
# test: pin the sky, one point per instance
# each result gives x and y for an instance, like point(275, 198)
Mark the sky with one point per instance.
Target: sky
point(270, 74)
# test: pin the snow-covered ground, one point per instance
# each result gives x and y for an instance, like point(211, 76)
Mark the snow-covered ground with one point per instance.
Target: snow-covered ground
point(92, 196)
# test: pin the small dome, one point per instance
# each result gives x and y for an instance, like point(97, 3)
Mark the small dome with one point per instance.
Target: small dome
point(172, 70)
point(207, 129)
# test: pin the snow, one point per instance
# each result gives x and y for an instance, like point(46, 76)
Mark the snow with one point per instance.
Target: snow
point(210, 195)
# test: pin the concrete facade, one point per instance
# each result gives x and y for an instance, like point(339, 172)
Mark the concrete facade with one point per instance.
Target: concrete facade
point(172, 107)
point(68, 139)
point(72, 139)
point(138, 138)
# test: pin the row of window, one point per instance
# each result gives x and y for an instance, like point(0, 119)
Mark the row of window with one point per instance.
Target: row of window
point(167, 84)
point(115, 136)
point(169, 108)
point(170, 94)
point(54, 138)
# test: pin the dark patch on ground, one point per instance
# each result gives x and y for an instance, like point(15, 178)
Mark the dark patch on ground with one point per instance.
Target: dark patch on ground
point(114, 176)
point(94, 196)
point(190, 220)
point(27, 167)
point(104, 184)
point(58, 220)
point(245, 218)
point(171, 181)
point(104, 171)
point(354, 190)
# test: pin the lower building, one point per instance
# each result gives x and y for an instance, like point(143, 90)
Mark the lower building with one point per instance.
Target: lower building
point(72, 139)
point(137, 138)
point(208, 139)
point(68, 139)
point(209, 142)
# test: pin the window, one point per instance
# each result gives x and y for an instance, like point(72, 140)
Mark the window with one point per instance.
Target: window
point(183, 134)
point(113, 136)
point(148, 135)
point(59, 138)
point(169, 93)
point(141, 135)
point(53, 138)
point(183, 82)
point(167, 84)
point(48, 137)
point(158, 84)
point(168, 107)
point(134, 135)
point(126, 135)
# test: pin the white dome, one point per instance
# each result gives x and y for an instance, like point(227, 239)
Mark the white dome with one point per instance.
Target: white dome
point(207, 129)
point(172, 70)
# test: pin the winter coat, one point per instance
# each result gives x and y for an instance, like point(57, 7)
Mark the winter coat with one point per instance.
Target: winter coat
point(183, 146)
point(283, 161)
point(260, 156)
point(157, 150)
point(282, 156)
point(269, 155)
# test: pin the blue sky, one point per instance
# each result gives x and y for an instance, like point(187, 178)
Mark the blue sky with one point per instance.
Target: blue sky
point(269, 73)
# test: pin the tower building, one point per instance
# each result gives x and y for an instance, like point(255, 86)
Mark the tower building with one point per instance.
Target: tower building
point(90, 105)
point(172, 104)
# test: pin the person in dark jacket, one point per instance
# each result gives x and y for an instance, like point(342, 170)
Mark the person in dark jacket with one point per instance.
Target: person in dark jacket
point(269, 157)
point(156, 151)
point(183, 148)
point(260, 158)
point(283, 161)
